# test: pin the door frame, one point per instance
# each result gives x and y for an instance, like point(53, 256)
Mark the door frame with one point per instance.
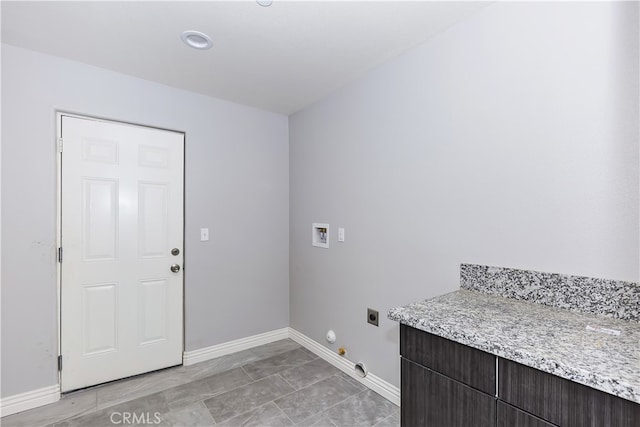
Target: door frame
point(57, 141)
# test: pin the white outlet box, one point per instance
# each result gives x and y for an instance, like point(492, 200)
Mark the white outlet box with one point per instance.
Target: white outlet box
point(320, 235)
point(204, 234)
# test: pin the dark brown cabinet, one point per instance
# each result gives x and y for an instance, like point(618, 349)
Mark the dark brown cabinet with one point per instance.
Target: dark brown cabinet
point(444, 383)
point(562, 402)
point(508, 416)
point(436, 400)
point(462, 363)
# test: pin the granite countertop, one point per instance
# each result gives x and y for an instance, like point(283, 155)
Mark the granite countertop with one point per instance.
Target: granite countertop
point(551, 339)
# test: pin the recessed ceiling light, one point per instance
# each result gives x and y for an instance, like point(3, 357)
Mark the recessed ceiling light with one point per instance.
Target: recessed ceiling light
point(196, 40)
point(265, 3)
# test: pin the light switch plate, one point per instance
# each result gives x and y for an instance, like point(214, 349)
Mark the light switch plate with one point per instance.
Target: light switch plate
point(204, 234)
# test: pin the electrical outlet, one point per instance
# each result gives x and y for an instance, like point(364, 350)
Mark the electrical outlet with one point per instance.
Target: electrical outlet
point(372, 316)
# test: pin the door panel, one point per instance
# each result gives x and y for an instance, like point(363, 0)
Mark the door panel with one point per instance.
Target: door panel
point(99, 150)
point(153, 311)
point(99, 219)
point(154, 157)
point(99, 315)
point(153, 221)
point(122, 213)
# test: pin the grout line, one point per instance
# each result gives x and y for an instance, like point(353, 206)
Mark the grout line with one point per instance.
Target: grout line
point(230, 390)
point(248, 374)
point(285, 414)
point(316, 381)
point(288, 383)
point(284, 395)
point(208, 411)
point(252, 409)
point(336, 404)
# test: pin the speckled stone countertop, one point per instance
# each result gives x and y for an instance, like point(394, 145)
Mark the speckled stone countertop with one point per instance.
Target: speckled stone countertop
point(550, 339)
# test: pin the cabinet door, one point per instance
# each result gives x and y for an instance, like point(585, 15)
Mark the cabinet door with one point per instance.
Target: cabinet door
point(508, 416)
point(431, 399)
point(561, 401)
point(412, 395)
point(462, 363)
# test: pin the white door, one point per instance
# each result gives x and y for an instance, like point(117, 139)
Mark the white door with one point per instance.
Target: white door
point(122, 217)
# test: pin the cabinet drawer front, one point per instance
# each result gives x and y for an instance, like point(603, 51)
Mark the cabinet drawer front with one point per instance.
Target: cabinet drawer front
point(508, 416)
point(431, 399)
point(470, 366)
point(561, 401)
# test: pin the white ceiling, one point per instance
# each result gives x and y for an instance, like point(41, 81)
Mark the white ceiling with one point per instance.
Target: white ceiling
point(280, 58)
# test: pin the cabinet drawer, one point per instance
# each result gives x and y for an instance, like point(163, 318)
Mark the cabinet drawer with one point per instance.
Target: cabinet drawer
point(561, 401)
point(431, 399)
point(508, 416)
point(470, 366)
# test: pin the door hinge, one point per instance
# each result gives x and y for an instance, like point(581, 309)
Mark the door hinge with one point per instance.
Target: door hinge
point(60, 254)
point(60, 363)
point(59, 145)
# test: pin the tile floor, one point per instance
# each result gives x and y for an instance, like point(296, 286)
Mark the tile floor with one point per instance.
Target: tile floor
point(277, 384)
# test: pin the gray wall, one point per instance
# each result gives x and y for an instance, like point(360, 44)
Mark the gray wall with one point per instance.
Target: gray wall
point(236, 285)
point(511, 140)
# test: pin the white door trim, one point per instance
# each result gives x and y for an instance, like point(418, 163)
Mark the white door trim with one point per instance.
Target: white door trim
point(58, 147)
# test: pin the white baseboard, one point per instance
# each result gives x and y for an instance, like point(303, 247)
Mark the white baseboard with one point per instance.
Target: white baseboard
point(375, 383)
point(44, 396)
point(29, 400)
point(196, 356)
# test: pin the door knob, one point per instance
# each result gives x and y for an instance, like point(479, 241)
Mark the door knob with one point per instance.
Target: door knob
point(175, 268)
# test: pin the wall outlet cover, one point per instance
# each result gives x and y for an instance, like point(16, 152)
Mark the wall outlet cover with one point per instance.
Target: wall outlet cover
point(372, 316)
